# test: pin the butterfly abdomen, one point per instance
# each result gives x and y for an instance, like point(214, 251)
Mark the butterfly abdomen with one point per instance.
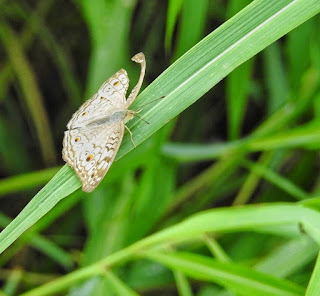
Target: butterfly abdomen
point(115, 117)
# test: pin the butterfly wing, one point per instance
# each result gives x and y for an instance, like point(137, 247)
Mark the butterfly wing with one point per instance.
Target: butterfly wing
point(109, 98)
point(91, 151)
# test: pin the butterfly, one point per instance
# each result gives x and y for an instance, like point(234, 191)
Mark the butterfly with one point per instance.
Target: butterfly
point(95, 131)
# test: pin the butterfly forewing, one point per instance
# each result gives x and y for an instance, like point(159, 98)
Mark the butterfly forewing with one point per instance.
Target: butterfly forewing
point(109, 98)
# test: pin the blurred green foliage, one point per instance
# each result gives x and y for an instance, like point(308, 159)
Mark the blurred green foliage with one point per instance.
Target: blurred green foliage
point(166, 219)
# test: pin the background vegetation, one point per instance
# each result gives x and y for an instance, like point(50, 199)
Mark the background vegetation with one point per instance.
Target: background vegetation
point(220, 200)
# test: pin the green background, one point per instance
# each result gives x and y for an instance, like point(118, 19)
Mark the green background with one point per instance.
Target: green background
point(221, 196)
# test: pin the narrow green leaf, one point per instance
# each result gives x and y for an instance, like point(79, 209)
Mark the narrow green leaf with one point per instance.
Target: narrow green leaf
point(183, 286)
point(60, 57)
point(262, 218)
point(26, 38)
point(213, 58)
point(277, 180)
point(240, 279)
point(196, 152)
point(26, 181)
point(215, 249)
point(313, 288)
point(289, 258)
point(31, 91)
point(12, 284)
point(237, 90)
point(112, 17)
point(277, 85)
point(191, 28)
point(265, 218)
point(117, 285)
point(306, 136)
point(237, 84)
point(297, 46)
point(174, 7)
point(60, 186)
point(251, 182)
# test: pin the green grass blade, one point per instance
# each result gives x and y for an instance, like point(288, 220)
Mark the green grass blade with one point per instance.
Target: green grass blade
point(191, 28)
point(305, 136)
point(105, 52)
point(213, 58)
point(182, 152)
point(240, 279)
point(12, 284)
point(60, 57)
point(174, 8)
point(251, 182)
point(297, 53)
point(313, 288)
point(183, 286)
point(237, 91)
point(289, 258)
point(215, 249)
point(31, 91)
point(183, 83)
point(261, 218)
point(117, 285)
point(277, 180)
point(13, 155)
point(26, 181)
point(26, 38)
point(59, 187)
point(237, 84)
point(277, 84)
point(42, 244)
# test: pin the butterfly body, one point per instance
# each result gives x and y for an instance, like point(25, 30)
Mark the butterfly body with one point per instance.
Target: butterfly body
point(95, 131)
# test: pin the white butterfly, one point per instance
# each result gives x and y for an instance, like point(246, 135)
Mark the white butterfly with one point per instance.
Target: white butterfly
point(95, 131)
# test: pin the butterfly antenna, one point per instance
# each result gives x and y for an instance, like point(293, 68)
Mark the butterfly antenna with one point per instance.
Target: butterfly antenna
point(152, 101)
point(141, 117)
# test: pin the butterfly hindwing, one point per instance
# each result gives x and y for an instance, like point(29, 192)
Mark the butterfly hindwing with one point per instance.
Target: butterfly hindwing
point(91, 151)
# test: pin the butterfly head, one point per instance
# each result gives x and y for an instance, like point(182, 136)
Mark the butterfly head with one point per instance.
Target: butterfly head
point(129, 115)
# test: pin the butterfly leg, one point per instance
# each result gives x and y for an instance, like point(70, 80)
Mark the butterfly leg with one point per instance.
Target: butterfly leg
point(130, 136)
point(140, 59)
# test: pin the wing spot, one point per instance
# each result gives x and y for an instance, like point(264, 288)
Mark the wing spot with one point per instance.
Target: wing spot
point(77, 139)
point(84, 113)
point(89, 157)
point(116, 83)
point(102, 98)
